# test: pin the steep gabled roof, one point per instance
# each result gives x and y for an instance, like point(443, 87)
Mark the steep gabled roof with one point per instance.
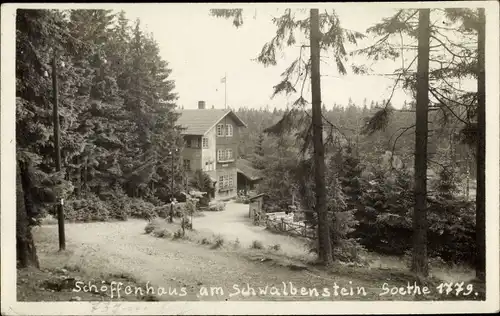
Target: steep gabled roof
point(245, 167)
point(199, 122)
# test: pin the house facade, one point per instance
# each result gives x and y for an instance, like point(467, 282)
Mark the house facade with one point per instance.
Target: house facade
point(211, 144)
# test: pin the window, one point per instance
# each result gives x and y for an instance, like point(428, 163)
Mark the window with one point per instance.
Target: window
point(226, 181)
point(204, 142)
point(229, 130)
point(187, 165)
point(188, 143)
point(220, 155)
point(220, 130)
point(225, 154)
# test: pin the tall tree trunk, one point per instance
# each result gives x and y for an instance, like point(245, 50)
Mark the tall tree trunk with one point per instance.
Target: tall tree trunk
point(481, 145)
point(419, 262)
point(26, 251)
point(324, 243)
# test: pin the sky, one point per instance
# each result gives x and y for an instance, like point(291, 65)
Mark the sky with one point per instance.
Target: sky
point(201, 50)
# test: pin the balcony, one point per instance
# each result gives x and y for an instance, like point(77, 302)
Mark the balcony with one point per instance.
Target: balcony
point(225, 160)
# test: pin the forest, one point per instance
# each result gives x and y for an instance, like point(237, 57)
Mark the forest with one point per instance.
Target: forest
point(389, 178)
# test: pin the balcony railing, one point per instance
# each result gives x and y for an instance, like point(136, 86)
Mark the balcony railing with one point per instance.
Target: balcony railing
point(225, 160)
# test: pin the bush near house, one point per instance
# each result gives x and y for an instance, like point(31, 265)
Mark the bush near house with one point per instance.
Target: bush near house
point(218, 206)
point(242, 199)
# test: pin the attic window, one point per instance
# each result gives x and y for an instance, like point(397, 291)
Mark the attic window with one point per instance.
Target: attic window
point(229, 130)
point(220, 130)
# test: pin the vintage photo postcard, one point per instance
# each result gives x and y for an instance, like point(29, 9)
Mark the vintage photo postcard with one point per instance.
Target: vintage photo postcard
point(250, 158)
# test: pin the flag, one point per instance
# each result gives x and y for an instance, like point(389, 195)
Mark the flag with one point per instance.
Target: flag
point(223, 80)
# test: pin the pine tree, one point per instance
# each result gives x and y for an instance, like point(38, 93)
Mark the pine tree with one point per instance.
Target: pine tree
point(259, 150)
point(111, 84)
point(420, 226)
point(37, 183)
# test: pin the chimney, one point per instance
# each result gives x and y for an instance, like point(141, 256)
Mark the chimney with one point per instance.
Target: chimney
point(201, 105)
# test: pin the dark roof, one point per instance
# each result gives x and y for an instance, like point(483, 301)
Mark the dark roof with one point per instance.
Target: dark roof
point(199, 122)
point(245, 167)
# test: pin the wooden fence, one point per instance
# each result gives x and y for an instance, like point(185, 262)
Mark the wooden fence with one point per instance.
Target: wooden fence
point(290, 228)
point(277, 224)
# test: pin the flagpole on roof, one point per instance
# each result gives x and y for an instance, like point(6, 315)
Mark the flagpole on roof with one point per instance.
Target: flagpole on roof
point(225, 90)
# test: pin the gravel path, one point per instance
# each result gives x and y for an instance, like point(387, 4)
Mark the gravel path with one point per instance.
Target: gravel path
point(234, 223)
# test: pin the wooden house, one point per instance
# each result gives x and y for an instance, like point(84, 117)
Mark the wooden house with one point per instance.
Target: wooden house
point(212, 138)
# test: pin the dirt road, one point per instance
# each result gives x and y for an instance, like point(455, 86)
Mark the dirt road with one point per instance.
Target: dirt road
point(233, 223)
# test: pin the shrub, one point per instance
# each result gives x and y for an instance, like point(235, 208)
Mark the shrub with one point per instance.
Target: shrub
point(217, 206)
point(276, 247)
point(179, 209)
point(256, 245)
point(205, 241)
point(242, 199)
point(218, 241)
point(117, 202)
point(90, 209)
point(190, 206)
point(204, 201)
point(162, 233)
point(201, 181)
point(178, 234)
point(154, 225)
point(186, 223)
point(162, 211)
point(237, 243)
point(141, 209)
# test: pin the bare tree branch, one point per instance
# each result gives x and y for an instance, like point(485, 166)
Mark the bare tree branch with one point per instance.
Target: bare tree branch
point(434, 93)
point(395, 142)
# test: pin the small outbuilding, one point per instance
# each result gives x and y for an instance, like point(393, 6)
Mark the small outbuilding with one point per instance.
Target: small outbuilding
point(247, 175)
point(257, 208)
